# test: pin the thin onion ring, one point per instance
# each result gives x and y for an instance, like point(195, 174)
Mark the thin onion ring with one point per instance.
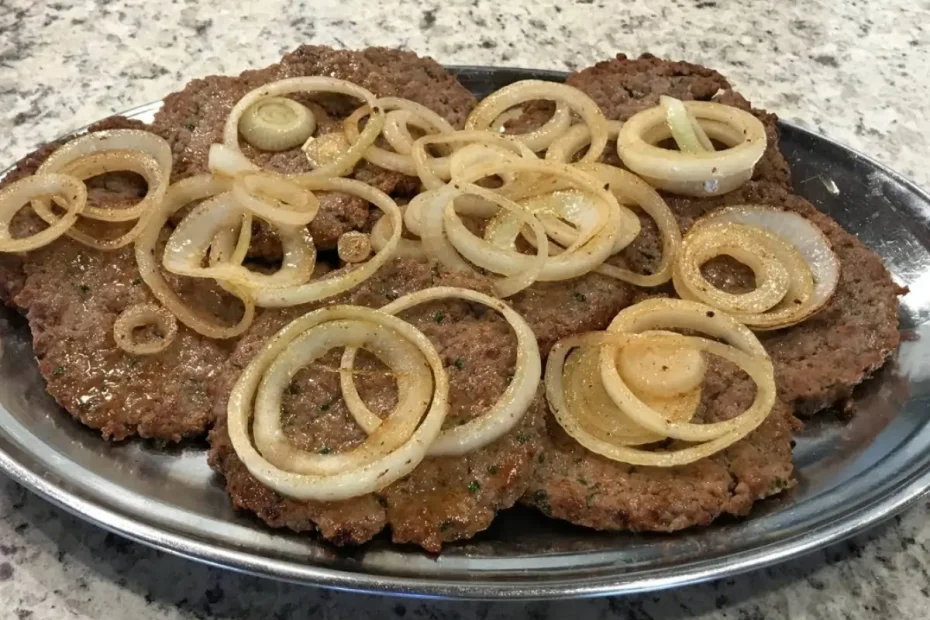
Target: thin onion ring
point(17, 195)
point(501, 418)
point(372, 476)
point(140, 315)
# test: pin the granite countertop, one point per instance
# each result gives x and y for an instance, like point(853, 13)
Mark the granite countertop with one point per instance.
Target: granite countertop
point(856, 71)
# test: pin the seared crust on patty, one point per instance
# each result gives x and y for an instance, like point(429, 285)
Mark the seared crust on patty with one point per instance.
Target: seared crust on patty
point(444, 499)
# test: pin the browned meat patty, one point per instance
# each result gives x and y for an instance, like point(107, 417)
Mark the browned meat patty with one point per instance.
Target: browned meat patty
point(193, 118)
point(624, 86)
point(579, 486)
point(72, 294)
point(26, 222)
point(445, 499)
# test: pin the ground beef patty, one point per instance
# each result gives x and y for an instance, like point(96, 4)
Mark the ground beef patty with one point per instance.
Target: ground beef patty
point(445, 499)
point(26, 222)
point(624, 86)
point(193, 118)
point(579, 486)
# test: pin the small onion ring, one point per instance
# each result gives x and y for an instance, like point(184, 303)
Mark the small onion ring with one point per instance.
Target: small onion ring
point(178, 196)
point(502, 417)
point(565, 148)
point(694, 174)
point(16, 195)
point(276, 124)
point(528, 90)
point(370, 477)
point(806, 237)
point(141, 315)
point(758, 368)
point(353, 247)
point(435, 171)
point(539, 139)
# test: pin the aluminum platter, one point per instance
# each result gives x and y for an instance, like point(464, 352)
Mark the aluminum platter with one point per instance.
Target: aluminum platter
point(852, 474)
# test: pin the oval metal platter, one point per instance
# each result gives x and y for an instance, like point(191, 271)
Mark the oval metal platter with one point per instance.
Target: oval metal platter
point(852, 473)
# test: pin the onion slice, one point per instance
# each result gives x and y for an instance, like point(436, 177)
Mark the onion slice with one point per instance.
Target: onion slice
point(17, 195)
point(179, 195)
point(812, 265)
point(501, 418)
point(138, 316)
point(704, 173)
point(367, 472)
point(524, 91)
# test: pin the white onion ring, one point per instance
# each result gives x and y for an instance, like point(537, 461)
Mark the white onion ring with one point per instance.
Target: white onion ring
point(369, 477)
point(178, 196)
point(539, 139)
point(141, 315)
point(565, 148)
point(381, 234)
point(435, 171)
point(16, 195)
point(275, 199)
point(501, 418)
point(694, 174)
point(528, 90)
point(630, 189)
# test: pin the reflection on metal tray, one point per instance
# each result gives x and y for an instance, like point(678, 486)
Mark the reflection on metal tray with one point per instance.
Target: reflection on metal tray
point(852, 474)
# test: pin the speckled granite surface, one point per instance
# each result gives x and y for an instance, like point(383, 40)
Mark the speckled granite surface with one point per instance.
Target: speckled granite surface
point(856, 71)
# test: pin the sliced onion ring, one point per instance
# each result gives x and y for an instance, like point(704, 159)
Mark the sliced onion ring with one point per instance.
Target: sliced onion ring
point(629, 189)
point(539, 139)
point(567, 146)
point(381, 234)
point(17, 195)
point(435, 171)
point(375, 473)
point(758, 368)
point(275, 199)
point(810, 243)
point(179, 195)
point(694, 174)
point(141, 315)
point(524, 91)
point(501, 418)
point(679, 314)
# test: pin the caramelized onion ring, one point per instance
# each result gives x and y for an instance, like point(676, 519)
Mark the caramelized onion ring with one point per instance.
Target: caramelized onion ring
point(141, 315)
point(15, 196)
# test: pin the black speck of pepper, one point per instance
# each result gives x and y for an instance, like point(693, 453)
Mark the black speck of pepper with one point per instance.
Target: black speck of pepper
point(444, 525)
point(325, 451)
point(580, 297)
point(59, 371)
point(492, 469)
point(459, 364)
point(474, 486)
point(522, 438)
point(293, 388)
point(83, 288)
point(710, 314)
point(325, 406)
point(189, 126)
point(439, 317)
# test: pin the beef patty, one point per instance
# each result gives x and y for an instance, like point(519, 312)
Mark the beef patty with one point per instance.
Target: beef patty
point(193, 118)
point(72, 294)
point(579, 486)
point(444, 499)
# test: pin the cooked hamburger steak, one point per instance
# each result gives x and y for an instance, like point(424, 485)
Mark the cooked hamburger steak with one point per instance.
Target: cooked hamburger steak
point(193, 118)
point(444, 499)
point(549, 458)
